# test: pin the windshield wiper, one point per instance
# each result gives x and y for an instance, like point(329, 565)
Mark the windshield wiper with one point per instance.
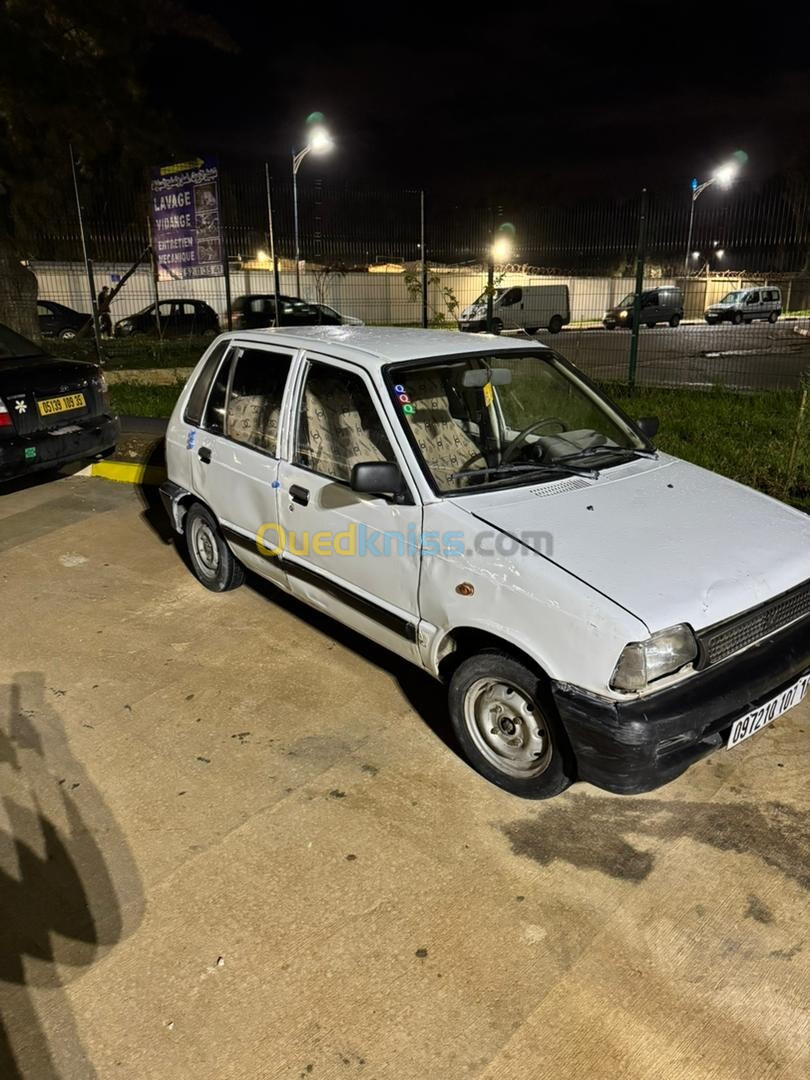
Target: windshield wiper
point(614, 451)
point(504, 470)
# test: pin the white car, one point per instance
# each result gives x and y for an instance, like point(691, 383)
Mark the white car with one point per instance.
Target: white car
point(597, 609)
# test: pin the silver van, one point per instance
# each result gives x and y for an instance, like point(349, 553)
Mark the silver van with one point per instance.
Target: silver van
point(745, 305)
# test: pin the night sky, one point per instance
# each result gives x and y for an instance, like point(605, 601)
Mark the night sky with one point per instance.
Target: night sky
point(551, 102)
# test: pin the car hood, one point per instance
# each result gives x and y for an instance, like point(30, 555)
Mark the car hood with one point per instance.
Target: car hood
point(666, 540)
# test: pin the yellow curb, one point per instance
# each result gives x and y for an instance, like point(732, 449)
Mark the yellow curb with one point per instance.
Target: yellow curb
point(128, 472)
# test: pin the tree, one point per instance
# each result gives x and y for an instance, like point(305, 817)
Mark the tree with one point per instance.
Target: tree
point(71, 71)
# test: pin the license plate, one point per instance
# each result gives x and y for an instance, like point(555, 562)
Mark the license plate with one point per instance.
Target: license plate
point(749, 725)
point(67, 403)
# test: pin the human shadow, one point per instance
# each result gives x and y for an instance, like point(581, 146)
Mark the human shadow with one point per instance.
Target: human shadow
point(64, 899)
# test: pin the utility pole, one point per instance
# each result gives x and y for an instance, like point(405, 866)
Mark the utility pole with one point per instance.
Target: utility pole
point(276, 284)
point(91, 285)
point(424, 261)
point(640, 256)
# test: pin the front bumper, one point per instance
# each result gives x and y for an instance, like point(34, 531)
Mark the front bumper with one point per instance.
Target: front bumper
point(473, 326)
point(22, 455)
point(636, 745)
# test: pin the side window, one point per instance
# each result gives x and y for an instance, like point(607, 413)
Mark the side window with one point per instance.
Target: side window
point(254, 404)
point(214, 416)
point(338, 424)
point(514, 296)
point(196, 399)
point(753, 298)
point(649, 299)
point(42, 310)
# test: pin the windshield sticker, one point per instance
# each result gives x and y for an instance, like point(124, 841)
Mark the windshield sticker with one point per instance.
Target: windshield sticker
point(192, 435)
point(404, 399)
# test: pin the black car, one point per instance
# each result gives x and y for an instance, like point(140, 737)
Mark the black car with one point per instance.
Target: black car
point(176, 318)
point(56, 320)
point(52, 411)
point(259, 309)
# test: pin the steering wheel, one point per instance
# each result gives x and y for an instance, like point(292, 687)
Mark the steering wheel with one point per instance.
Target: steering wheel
point(520, 439)
point(470, 460)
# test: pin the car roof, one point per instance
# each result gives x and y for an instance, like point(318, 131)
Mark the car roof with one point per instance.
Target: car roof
point(374, 346)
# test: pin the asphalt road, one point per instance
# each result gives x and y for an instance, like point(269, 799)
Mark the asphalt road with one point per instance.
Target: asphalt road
point(759, 356)
point(234, 845)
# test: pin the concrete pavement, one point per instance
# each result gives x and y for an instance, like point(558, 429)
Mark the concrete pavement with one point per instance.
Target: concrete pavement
point(234, 844)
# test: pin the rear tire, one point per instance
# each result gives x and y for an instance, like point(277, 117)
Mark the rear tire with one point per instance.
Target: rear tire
point(555, 324)
point(532, 329)
point(506, 723)
point(497, 326)
point(675, 322)
point(212, 561)
point(774, 315)
point(67, 334)
point(737, 318)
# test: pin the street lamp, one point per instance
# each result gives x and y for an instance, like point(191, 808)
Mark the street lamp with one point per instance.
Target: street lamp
point(724, 176)
point(319, 142)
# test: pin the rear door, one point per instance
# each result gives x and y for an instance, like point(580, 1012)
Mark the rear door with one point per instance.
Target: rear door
point(235, 452)
point(47, 320)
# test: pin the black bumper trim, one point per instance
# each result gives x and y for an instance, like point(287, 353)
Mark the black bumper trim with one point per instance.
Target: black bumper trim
point(96, 438)
point(636, 745)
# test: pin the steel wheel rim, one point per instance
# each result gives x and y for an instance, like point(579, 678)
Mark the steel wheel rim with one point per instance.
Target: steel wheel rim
point(205, 548)
point(507, 728)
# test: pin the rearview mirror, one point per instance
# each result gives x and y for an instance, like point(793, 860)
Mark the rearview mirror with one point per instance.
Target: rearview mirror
point(377, 478)
point(477, 378)
point(648, 425)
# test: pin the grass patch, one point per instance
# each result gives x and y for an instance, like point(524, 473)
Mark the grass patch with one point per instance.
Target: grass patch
point(145, 399)
point(137, 353)
point(747, 437)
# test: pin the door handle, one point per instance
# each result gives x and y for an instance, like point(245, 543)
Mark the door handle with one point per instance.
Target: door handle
point(299, 494)
point(204, 454)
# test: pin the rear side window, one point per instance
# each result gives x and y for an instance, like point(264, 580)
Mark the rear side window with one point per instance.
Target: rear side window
point(254, 403)
point(196, 400)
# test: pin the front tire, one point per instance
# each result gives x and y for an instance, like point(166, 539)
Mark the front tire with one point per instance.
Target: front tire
point(497, 326)
point(211, 559)
point(67, 334)
point(506, 724)
point(737, 318)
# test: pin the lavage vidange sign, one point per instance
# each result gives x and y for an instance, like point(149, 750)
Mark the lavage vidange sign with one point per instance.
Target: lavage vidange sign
point(185, 220)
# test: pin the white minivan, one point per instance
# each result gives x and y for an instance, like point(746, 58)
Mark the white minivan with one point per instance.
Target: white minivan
point(746, 305)
point(595, 608)
point(521, 307)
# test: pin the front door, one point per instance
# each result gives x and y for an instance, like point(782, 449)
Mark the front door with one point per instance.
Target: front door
point(354, 555)
point(235, 462)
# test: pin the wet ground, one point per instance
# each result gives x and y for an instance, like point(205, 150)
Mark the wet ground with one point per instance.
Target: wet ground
point(234, 843)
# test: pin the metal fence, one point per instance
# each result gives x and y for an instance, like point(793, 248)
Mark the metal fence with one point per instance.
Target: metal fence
point(361, 255)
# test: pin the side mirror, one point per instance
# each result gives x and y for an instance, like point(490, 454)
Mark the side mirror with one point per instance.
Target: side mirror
point(377, 478)
point(648, 425)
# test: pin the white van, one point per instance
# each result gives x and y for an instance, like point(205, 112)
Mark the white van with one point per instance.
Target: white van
point(595, 608)
point(521, 307)
point(745, 305)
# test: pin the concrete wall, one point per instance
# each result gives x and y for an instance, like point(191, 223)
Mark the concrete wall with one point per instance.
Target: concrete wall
point(381, 298)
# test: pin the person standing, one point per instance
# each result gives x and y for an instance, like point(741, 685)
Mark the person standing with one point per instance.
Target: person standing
point(103, 300)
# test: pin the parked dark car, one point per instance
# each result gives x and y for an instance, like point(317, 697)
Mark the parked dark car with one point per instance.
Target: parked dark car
point(176, 318)
point(664, 304)
point(56, 320)
point(259, 309)
point(52, 411)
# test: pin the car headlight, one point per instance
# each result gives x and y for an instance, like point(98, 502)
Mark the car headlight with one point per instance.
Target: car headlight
point(622, 314)
point(642, 662)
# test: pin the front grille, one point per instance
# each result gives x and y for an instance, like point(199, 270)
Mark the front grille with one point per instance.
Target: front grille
point(723, 640)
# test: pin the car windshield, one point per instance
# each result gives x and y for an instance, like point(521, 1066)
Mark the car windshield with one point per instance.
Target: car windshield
point(486, 420)
point(733, 298)
point(15, 346)
point(628, 301)
point(496, 295)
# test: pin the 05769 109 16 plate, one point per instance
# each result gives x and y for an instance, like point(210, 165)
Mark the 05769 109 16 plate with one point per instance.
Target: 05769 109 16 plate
point(66, 403)
point(749, 725)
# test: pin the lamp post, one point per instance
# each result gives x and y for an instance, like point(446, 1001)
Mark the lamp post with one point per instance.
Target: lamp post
point(319, 141)
point(722, 176)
